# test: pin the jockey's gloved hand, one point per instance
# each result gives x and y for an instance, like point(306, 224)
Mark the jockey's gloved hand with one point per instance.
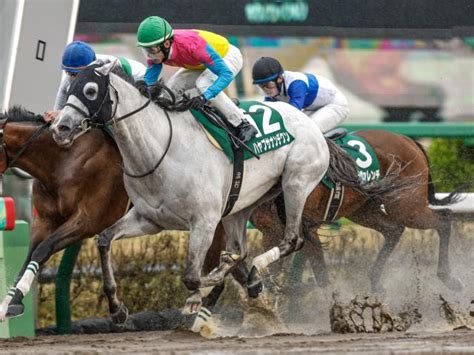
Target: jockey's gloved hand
point(142, 86)
point(155, 91)
point(197, 102)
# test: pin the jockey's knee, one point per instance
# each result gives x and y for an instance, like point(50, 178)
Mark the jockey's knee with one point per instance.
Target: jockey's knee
point(342, 111)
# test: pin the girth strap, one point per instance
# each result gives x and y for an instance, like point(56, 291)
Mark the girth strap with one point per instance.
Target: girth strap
point(334, 203)
point(237, 178)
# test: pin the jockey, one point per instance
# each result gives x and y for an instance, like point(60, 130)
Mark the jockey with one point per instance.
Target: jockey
point(313, 94)
point(207, 62)
point(78, 55)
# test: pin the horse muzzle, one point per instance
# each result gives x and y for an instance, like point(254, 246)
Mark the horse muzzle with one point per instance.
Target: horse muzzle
point(65, 132)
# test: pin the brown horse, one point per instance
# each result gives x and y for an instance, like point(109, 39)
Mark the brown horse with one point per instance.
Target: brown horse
point(390, 219)
point(78, 193)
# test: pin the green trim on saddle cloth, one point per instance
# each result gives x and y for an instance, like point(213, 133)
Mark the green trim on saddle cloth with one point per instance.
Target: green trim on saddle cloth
point(272, 131)
point(127, 68)
point(363, 154)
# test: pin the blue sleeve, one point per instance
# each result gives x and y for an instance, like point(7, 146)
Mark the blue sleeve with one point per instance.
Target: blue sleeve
point(297, 93)
point(218, 67)
point(152, 73)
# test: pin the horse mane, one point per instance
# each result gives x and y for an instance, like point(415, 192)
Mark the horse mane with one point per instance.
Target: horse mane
point(19, 114)
point(117, 70)
point(167, 101)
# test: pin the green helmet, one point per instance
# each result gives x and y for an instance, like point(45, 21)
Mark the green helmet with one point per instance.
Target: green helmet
point(153, 31)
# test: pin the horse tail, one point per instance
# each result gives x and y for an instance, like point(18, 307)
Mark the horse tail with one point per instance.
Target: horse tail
point(343, 168)
point(453, 197)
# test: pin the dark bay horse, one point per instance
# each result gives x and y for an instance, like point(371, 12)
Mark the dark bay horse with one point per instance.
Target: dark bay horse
point(390, 219)
point(78, 192)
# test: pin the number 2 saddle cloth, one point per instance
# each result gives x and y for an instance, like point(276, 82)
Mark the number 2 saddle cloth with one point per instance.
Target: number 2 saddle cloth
point(272, 135)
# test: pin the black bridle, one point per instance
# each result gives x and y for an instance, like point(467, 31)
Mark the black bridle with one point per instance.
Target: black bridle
point(88, 122)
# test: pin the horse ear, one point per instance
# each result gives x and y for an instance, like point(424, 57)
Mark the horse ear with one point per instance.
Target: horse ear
point(106, 68)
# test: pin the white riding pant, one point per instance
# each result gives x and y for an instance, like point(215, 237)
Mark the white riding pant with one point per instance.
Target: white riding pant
point(330, 115)
point(186, 79)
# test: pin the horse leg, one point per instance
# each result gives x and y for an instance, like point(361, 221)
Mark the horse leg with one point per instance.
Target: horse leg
point(445, 217)
point(200, 239)
point(295, 197)
point(313, 251)
point(371, 216)
point(421, 216)
point(40, 230)
point(236, 231)
point(195, 301)
point(202, 323)
point(12, 305)
point(65, 235)
point(130, 225)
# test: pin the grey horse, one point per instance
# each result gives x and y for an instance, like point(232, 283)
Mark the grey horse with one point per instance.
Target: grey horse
point(189, 188)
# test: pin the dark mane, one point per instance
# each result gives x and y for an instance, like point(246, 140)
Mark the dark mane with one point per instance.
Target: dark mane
point(19, 114)
point(120, 72)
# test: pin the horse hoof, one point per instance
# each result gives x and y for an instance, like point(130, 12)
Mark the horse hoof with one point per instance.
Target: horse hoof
point(15, 310)
point(201, 319)
point(451, 282)
point(121, 315)
point(254, 283)
point(255, 290)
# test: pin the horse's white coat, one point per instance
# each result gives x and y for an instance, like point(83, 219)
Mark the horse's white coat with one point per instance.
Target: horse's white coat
point(189, 189)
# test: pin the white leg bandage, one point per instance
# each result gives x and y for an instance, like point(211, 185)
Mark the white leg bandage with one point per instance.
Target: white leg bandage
point(262, 261)
point(28, 278)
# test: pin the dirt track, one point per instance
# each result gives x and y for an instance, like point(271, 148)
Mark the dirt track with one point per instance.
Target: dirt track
point(180, 342)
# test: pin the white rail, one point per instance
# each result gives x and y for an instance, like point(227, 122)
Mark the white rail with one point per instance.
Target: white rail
point(466, 205)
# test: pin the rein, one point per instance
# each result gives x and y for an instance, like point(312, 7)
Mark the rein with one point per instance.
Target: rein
point(162, 157)
point(24, 147)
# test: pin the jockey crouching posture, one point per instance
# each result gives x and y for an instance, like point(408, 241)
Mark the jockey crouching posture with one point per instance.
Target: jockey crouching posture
point(315, 95)
point(207, 61)
point(78, 55)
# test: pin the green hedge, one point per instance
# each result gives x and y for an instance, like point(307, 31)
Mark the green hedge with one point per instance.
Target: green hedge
point(452, 164)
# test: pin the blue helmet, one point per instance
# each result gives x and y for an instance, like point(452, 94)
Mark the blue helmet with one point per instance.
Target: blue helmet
point(77, 55)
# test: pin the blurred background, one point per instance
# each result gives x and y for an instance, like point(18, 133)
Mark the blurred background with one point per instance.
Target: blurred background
point(395, 61)
point(385, 80)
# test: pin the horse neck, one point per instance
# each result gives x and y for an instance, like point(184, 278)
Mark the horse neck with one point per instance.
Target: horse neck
point(143, 136)
point(40, 157)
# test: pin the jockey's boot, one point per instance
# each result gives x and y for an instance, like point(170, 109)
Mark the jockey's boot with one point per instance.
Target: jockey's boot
point(246, 131)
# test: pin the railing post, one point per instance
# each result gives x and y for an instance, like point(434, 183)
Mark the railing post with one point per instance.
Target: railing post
point(63, 284)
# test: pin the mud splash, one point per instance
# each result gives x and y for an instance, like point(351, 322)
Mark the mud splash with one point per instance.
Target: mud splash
point(366, 314)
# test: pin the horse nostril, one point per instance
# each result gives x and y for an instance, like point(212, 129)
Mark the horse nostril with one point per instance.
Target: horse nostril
point(63, 128)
